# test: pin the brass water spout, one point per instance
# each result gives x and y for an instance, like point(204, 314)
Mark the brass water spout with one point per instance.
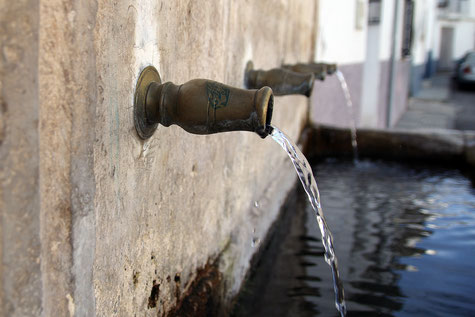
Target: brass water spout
point(282, 81)
point(320, 70)
point(199, 106)
point(331, 68)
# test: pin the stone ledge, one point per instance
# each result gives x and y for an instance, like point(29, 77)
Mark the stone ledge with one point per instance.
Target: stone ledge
point(428, 145)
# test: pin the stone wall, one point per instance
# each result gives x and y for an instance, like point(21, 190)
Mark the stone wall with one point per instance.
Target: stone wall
point(20, 247)
point(95, 221)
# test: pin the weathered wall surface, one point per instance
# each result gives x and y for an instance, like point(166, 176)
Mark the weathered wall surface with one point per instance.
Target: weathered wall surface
point(21, 288)
point(107, 224)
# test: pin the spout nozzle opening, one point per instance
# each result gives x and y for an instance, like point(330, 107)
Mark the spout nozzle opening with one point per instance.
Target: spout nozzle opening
point(264, 108)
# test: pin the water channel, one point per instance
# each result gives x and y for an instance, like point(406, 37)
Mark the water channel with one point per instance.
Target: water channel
point(405, 239)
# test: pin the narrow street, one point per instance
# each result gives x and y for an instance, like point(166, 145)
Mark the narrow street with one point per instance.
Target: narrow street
point(464, 103)
point(440, 104)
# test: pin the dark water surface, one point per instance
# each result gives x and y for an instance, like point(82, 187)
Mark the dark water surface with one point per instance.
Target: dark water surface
point(404, 236)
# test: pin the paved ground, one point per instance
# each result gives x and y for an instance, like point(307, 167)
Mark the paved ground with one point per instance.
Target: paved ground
point(440, 105)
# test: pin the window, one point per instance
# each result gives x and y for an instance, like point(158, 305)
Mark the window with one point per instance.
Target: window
point(374, 12)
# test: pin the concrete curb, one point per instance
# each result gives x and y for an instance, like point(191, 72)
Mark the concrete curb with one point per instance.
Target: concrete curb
point(428, 145)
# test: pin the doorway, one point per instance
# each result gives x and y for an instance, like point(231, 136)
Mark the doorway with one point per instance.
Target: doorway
point(446, 49)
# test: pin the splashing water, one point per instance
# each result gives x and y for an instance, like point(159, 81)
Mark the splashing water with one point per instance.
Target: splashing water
point(304, 172)
point(349, 105)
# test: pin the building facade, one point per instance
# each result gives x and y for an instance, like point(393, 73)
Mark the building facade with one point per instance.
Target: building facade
point(443, 32)
point(386, 49)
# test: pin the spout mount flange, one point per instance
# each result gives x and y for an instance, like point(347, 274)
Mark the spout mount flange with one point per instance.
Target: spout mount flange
point(144, 128)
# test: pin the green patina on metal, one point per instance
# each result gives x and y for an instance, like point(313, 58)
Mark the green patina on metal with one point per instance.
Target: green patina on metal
point(218, 95)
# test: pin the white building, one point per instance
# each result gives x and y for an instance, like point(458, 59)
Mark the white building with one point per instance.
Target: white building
point(456, 31)
point(365, 38)
point(444, 30)
point(385, 48)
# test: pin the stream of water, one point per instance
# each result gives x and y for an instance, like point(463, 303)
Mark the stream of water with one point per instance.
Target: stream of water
point(349, 105)
point(305, 174)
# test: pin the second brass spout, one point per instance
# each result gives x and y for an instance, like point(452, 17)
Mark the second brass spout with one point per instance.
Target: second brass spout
point(320, 70)
point(282, 81)
point(203, 106)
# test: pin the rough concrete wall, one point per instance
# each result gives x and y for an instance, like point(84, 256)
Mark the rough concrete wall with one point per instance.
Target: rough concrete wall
point(46, 148)
point(67, 92)
point(95, 221)
point(20, 277)
point(55, 95)
point(168, 206)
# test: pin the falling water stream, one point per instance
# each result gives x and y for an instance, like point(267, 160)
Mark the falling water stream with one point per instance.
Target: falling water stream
point(349, 105)
point(304, 172)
